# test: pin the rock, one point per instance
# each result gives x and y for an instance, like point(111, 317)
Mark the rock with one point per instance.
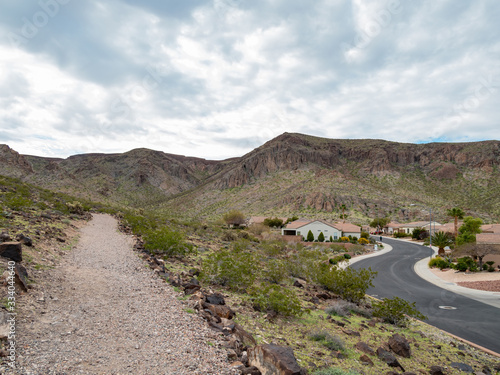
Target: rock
point(400, 346)
point(4, 325)
point(194, 272)
point(436, 370)
point(274, 360)
point(191, 287)
point(364, 347)
point(486, 370)
point(215, 299)
point(243, 336)
point(25, 240)
point(21, 277)
point(350, 332)
point(222, 311)
point(4, 237)
point(462, 367)
point(388, 358)
point(365, 360)
point(252, 370)
point(297, 284)
point(12, 250)
point(497, 367)
point(60, 239)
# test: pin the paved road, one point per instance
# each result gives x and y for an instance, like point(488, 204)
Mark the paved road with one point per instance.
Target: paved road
point(472, 320)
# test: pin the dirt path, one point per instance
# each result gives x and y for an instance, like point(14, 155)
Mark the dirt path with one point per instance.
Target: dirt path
point(103, 312)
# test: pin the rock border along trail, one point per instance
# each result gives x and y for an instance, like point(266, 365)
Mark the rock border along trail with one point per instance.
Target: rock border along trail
point(101, 311)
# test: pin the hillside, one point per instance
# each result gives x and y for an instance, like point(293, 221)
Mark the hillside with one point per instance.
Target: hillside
point(291, 174)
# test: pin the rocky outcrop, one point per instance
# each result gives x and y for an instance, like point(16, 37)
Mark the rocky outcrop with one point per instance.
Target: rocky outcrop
point(400, 346)
point(12, 163)
point(274, 360)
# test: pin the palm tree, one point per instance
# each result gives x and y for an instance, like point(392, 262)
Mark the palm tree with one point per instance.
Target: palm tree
point(456, 213)
point(441, 240)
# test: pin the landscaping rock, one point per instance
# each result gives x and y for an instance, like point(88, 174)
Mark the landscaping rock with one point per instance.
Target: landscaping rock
point(400, 346)
point(274, 360)
point(365, 348)
point(388, 358)
point(365, 360)
point(12, 250)
point(462, 367)
point(436, 370)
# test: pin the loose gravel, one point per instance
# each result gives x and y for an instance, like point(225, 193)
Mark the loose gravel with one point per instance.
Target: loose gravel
point(101, 311)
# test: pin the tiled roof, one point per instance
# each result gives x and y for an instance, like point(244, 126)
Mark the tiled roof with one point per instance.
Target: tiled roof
point(488, 238)
point(347, 227)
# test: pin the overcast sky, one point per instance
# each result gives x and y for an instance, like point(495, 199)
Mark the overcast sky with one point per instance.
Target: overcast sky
point(217, 78)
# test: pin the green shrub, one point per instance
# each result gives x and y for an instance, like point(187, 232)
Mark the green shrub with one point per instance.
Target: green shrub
point(272, 297)
point(17, 201)
point(275, 271)
point(75, 207)
point(466, 263)
point(401, 235)
point(328, 341)
point(273, 223)
point(340, 308)
point(310, 236)
point(350, 284)
point(321, 237)
point(395, 311)
point(439, 263)
point(305, 263)
point(237, 270)
point(138, 223)
point(347, 256)
point(273, 248)
point(166, 242)
point(337, 248)
point(365, 235)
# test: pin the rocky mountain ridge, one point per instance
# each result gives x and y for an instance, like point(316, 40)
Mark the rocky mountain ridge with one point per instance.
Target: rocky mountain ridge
point(317, 174)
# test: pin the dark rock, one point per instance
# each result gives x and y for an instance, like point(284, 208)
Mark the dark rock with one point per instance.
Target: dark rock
point(252, 370)
point(365, 360)
point(12, 250)
point(4, 237)
point(190, 288)
point(400, 346)
point(274, 360)
point(297, 284)
point(497, 367)
point(216, 299)
point(436, 370)
point(340, 324)
point(388, 358)
point(243, 336)
point(21, 277)
point(25, 240)
point(486, 370)
point(60, 239)
point(351, 332)
point(364, 347)
point(462, 367)
point(221, 311)
point(194, 272)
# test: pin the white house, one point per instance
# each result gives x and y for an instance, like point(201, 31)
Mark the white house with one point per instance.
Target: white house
point(302, 228)
point(409, 227)
point(349, 229)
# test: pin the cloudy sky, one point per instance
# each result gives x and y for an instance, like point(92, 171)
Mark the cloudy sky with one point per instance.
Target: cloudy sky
point(217, 78)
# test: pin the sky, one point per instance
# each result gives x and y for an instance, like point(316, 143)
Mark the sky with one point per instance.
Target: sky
point(218, 78)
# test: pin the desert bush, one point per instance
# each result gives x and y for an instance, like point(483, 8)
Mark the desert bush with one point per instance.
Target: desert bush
point(401, 235)
point(75, 207)
point(305, 263)
point(363, 241)
point(337, 248)
point(273, 222)
point(257, 229)
point(340, 308)
point(16, 201)
point(229, 236)
point(365, 235)
point(328, 341)
point(234, 217)
point(273, 248)
point(237, 270)
point(275, 271)
point(396, 311)
point(139, 223)
point(350, 284)
point(272, 297)
point(166, 242)
point(439, 263)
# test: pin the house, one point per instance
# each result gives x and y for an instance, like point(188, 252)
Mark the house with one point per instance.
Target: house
point(348, 229)
point(409, 227)
point(302, 228)
point(491, 228)
point(260, 219)
point(392, 227)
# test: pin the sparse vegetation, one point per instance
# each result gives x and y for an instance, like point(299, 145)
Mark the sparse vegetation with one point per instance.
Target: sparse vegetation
point(396, 311)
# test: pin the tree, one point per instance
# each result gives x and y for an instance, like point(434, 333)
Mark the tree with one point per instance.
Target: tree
point(276, 223)
point(234, 217)
point(380, 222)
point(441, 240)
point(456, 213)
point(290, 219)
point(321, 237)
point(477, 250)
point(310, 236)
point(419, 234)
point(468, 230)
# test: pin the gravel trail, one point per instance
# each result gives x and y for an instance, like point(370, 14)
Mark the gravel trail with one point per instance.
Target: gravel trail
point(101, 311)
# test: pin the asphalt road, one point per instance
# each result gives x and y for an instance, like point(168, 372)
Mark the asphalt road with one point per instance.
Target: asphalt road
point(468, 319)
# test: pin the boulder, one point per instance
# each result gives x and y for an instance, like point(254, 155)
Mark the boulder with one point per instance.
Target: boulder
point(400, 346)
point(436, 370)
point(4, 237)
point(388, 358)
point(364, 347)
point(252, 370)
point(222, 311)
point(215, 299)
point(12, 250)
point(243, 336)
point(274, 360)
point(462, 367)
point(25, 240)
point(21, 277)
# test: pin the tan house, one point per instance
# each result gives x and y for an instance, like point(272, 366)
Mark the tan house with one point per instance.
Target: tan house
point(349, 229)
point(409, 227)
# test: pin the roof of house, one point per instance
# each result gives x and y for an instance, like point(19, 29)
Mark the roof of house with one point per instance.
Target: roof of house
point(393, 224)
point(298, 223)
point(347, 227)
point(491, 228)
point(488, 238)
point(447, 227)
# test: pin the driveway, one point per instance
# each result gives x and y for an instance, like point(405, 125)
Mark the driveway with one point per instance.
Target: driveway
point(462, 316)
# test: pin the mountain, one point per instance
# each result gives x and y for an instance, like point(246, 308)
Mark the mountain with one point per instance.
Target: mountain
point(291, 174)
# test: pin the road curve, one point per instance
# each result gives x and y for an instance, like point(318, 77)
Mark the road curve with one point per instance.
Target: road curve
point(464, 317)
